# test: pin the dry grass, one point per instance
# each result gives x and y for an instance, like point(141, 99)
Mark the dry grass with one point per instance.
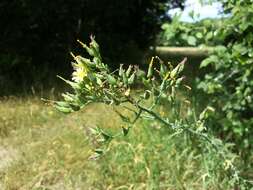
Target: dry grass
point(51, 151)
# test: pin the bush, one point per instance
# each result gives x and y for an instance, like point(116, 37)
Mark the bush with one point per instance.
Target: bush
point(229, 83)
point(178, 33)
point(228, 80)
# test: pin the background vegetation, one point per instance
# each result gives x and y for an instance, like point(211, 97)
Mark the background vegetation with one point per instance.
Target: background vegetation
point(228, 68)
point(210, 146)
point(37, 36)
point(203, 32)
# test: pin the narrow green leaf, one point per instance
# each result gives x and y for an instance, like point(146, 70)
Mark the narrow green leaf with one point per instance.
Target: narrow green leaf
point(125, 131)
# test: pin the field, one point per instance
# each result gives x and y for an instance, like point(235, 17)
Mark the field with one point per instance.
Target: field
point(149, 101)
point(43, 149)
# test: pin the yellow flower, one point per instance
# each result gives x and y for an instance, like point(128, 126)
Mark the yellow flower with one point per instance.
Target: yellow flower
point(80, 69)
point(79, 74)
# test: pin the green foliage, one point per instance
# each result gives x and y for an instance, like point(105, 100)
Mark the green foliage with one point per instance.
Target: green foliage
point(229, 84)
point(93, 82)
point(178, 33)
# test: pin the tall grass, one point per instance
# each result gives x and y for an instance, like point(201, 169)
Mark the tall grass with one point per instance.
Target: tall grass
point(52, 152)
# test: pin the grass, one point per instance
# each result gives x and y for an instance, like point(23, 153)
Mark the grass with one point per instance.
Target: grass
point(48, 150)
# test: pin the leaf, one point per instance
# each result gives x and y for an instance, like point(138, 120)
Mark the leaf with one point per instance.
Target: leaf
point(99, 151)
point(205, 63)
point(199, 35)
point(125, 131)
point(191, 40)
point(125, 80)
point(150, 68)
point(106, 136)
point(211, 59)
point(179, 80)
point(62, 104)
point(111, 80)
point(129, 70)
point(89, 50)
point(72, 84)
point(64, 109)
point(165, 26)
point(162, 71)
point(131, 79)
point(68, 97)
point(121, 70)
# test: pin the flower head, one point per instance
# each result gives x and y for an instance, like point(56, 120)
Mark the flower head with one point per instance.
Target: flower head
point(80, 69)
point(79, 74)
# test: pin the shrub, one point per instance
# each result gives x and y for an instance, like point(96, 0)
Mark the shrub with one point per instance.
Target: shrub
point(178, 33)
point(228, 79)
point(229, 82)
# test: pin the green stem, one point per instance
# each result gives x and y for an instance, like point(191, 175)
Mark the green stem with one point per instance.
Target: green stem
point(154, 115)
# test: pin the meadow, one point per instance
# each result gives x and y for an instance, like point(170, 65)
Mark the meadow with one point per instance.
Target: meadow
point(44, 149)
point(132, 112)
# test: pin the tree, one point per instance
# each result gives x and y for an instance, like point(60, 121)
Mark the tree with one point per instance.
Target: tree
point(38, 35)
